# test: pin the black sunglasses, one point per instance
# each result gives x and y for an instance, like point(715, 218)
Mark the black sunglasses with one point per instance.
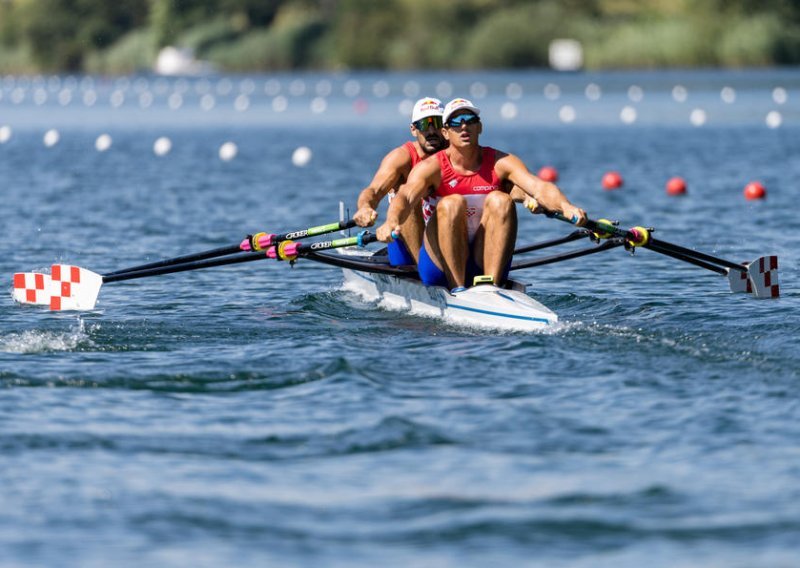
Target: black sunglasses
point(423, 124)
point(462, 119)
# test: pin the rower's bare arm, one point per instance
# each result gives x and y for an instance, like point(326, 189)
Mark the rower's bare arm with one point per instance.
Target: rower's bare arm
point(519, 196)
point(546, 194)
point(421, 179)
point(394, 167)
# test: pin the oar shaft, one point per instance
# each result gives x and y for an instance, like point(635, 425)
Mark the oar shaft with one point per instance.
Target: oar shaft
point(682, 253)
point(194, 265)
point(214, 253)
point(612, 243)
point(685, 258)
point(694, 254)
point(574, 236)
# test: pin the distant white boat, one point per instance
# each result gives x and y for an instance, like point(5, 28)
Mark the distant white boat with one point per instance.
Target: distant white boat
point(180, 61)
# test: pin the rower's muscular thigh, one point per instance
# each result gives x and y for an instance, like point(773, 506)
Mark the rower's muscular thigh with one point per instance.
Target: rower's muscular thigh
point(447, 224)
point(499, 216)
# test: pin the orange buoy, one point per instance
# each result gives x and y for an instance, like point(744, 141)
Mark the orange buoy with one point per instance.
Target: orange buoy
point(548, 173)
point(755, 190)
point(676, 186)
point(612, 180)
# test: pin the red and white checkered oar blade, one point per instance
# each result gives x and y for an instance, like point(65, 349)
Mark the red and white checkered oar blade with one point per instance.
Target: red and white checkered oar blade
point(32, 288)
point(761, 278)
point(73, 287)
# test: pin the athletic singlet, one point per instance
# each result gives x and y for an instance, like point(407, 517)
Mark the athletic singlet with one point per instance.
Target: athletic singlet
point(474, 187)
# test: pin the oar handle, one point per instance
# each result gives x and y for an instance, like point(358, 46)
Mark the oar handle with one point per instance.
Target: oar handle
point(605, 229)
point(290, 250)
point(262, 241)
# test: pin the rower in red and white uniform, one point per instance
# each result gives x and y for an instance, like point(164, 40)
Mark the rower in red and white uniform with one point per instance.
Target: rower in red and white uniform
point(426, 128)
point(472, 227)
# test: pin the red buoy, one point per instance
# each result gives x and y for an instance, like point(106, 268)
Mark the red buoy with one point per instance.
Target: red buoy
point(676, 186)
point(754, 190)
point(612, 180)
point(548, 173)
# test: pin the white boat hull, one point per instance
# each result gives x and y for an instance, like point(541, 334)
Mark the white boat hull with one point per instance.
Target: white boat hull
point(482, 306)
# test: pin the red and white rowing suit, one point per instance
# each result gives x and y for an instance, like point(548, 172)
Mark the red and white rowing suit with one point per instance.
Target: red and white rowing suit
point(474, 187)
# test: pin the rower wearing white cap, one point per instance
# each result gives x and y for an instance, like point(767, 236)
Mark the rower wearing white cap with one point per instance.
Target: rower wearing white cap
point(473, 225)
point(426, 128)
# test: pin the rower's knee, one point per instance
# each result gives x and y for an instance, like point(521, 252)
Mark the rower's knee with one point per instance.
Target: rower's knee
point(451, 206)
point(499, 205)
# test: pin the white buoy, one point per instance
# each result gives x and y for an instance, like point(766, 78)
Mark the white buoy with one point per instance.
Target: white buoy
point(478, 90)
point(593, 92)
point(698, 117)
point(228, 151)
point(301, 156)
point(280, 103)
point(728, 95)
point(779, 95)
point(514, 91)
point(774, 119)
point(509, 111)
point(51, 137)
point(351, 88)
point(175, 101)
point(241, 103)
point(117, 99)
point(405, 107)
point(567, 114)
point(64, 97)
point(635, 93)
point(5, 134)
point(679, 93)
point(319, 105)
point(381, 89)
point(102, 143)
point(552, 91)
point(628, 115)
point(207, 102)
point(444, 90)
point(162, 146)
point(89, 98)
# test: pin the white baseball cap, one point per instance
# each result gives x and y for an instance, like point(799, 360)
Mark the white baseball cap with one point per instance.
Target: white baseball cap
point(427, 106)
point(459, 104)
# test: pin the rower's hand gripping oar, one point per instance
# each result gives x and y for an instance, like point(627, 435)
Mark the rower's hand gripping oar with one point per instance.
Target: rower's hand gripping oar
point(759, 277)
point(69, 287)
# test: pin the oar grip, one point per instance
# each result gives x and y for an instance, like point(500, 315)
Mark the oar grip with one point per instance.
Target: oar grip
point(285, 250)
point(638, 236)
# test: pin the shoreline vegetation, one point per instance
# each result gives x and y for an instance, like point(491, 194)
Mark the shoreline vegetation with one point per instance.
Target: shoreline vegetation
point(125, 36)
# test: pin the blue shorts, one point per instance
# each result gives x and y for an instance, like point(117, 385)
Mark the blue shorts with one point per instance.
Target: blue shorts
point(431, 275)
point(398, 254)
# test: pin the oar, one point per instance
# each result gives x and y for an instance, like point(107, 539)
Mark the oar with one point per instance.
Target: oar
point(251, 243)
point(70, 287)
point(759, 276)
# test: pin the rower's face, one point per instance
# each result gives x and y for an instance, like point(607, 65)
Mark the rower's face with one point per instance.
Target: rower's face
point(428, 133)
point(463, 128)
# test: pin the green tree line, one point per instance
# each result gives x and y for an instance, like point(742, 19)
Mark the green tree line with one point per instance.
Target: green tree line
point(123, 36)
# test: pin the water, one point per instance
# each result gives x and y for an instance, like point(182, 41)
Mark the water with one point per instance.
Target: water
point(259, 415)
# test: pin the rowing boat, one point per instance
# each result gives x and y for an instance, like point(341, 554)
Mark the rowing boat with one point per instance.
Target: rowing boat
point(369, 275)
point(70, 287)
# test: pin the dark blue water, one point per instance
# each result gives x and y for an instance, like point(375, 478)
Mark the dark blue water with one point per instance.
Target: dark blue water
point(259, 415)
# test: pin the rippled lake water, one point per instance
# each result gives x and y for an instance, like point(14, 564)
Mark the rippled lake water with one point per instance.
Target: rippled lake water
point(260, 415)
